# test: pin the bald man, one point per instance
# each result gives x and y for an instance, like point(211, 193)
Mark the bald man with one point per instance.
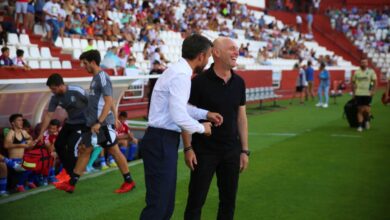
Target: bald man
point(225, 153)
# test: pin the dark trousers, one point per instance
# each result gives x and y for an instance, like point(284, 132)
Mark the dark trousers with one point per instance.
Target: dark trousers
point(226, 165)
point(159, 150)
point(66, 145)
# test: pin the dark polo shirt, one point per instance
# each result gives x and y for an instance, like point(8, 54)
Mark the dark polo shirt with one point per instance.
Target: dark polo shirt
point(208, 91)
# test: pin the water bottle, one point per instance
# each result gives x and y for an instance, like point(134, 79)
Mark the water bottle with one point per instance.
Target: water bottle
point(94, 139)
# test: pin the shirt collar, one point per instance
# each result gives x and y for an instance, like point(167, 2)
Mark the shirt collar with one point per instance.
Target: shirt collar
point(212, 75)
point(187, 68)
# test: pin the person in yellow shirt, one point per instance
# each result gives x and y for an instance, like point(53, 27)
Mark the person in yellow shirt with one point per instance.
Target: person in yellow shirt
point(364, 81)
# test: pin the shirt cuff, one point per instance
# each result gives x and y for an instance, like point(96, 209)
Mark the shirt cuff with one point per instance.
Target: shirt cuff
point(201, 129)
point(203, 113)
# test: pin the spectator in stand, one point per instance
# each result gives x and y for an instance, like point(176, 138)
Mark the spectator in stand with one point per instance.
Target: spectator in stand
point(300, 83)
point(299, 23)
point(262, 57)
point(316, 5)
point(30, 16)
point(309, 19)
point(5, 61)
point(131, 63)
point(21, 14)
point(19, 60)
point(158, 56)
point(3, 33)
point(111, 58)
point(51, 10)
point(61, 20)
point(122, 57)
point(16, 142)
point(310, 81)
point(364, 82)
point(90, 45)
point(38, 8)
point(127, 47)
point(323, 88)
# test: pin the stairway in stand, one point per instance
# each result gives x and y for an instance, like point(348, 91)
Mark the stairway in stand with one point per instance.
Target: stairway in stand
point(324, 35)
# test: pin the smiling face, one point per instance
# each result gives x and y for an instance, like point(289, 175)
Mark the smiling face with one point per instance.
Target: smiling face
point(226, 52)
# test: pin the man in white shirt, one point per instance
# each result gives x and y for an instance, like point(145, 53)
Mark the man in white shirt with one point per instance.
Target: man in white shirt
point(169, 115)
point(52, 12)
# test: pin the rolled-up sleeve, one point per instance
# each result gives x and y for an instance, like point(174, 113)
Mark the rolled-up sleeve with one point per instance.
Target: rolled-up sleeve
point(178, 108)
point(197, 113)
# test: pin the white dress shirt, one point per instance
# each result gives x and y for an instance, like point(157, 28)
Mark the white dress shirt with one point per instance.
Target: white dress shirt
point(169, 107)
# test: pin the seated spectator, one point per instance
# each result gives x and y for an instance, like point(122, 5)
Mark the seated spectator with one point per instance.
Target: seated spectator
point(16, 142)
point(5, 61)
point(131, 63)
point(262, 57)
point(111, 59)
point(123, 132)
point(241, 51)
point(19, 60)
point(49, 137)
point(122, 57)
point(90, 45)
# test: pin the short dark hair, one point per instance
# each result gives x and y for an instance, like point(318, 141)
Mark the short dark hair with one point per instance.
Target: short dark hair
point(194, 45)
point(309, 63)
point(91, 55)
point(55, 79)
point(13, 117)
point(123, 114)
point(55, 122)
point(4, 49)
point(322, 65)
point(19, 52)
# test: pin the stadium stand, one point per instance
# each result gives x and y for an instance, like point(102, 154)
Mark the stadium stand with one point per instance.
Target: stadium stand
point(140, 29)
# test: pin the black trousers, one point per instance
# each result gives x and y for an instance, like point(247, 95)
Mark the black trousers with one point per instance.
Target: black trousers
point(226, 165)
point(66, 145)
point(159, 150)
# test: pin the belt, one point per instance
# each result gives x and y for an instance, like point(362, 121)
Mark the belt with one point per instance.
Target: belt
point(163, 131)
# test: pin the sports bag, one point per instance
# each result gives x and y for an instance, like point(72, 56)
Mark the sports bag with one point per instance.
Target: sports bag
point(38, 160)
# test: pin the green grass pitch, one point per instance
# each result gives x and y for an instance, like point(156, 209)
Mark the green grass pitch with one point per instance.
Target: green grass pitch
point(306, 163)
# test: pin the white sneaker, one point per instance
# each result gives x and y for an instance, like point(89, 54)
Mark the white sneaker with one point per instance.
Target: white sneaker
point(359, 129)
point(18, 168)
point(325, 106)
point(3, 193)
point(319, 104)
point(367, 125)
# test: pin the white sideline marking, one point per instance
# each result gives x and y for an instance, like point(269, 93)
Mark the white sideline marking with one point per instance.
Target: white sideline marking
point(346, 135)
point(18, 196)
point(275, 134)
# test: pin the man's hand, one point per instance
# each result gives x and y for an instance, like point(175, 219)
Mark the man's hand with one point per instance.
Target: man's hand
point(207, 128)
point(135, 141)
point(190, 159)
point(215, 118)
point(244, 160)
point(95, 128)
point(39, 138)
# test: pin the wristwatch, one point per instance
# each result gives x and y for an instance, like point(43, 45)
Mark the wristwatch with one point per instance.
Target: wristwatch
point(247, 152)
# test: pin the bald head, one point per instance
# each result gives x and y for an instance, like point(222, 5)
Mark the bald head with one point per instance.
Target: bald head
point(225, 52)
point(221, 42)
